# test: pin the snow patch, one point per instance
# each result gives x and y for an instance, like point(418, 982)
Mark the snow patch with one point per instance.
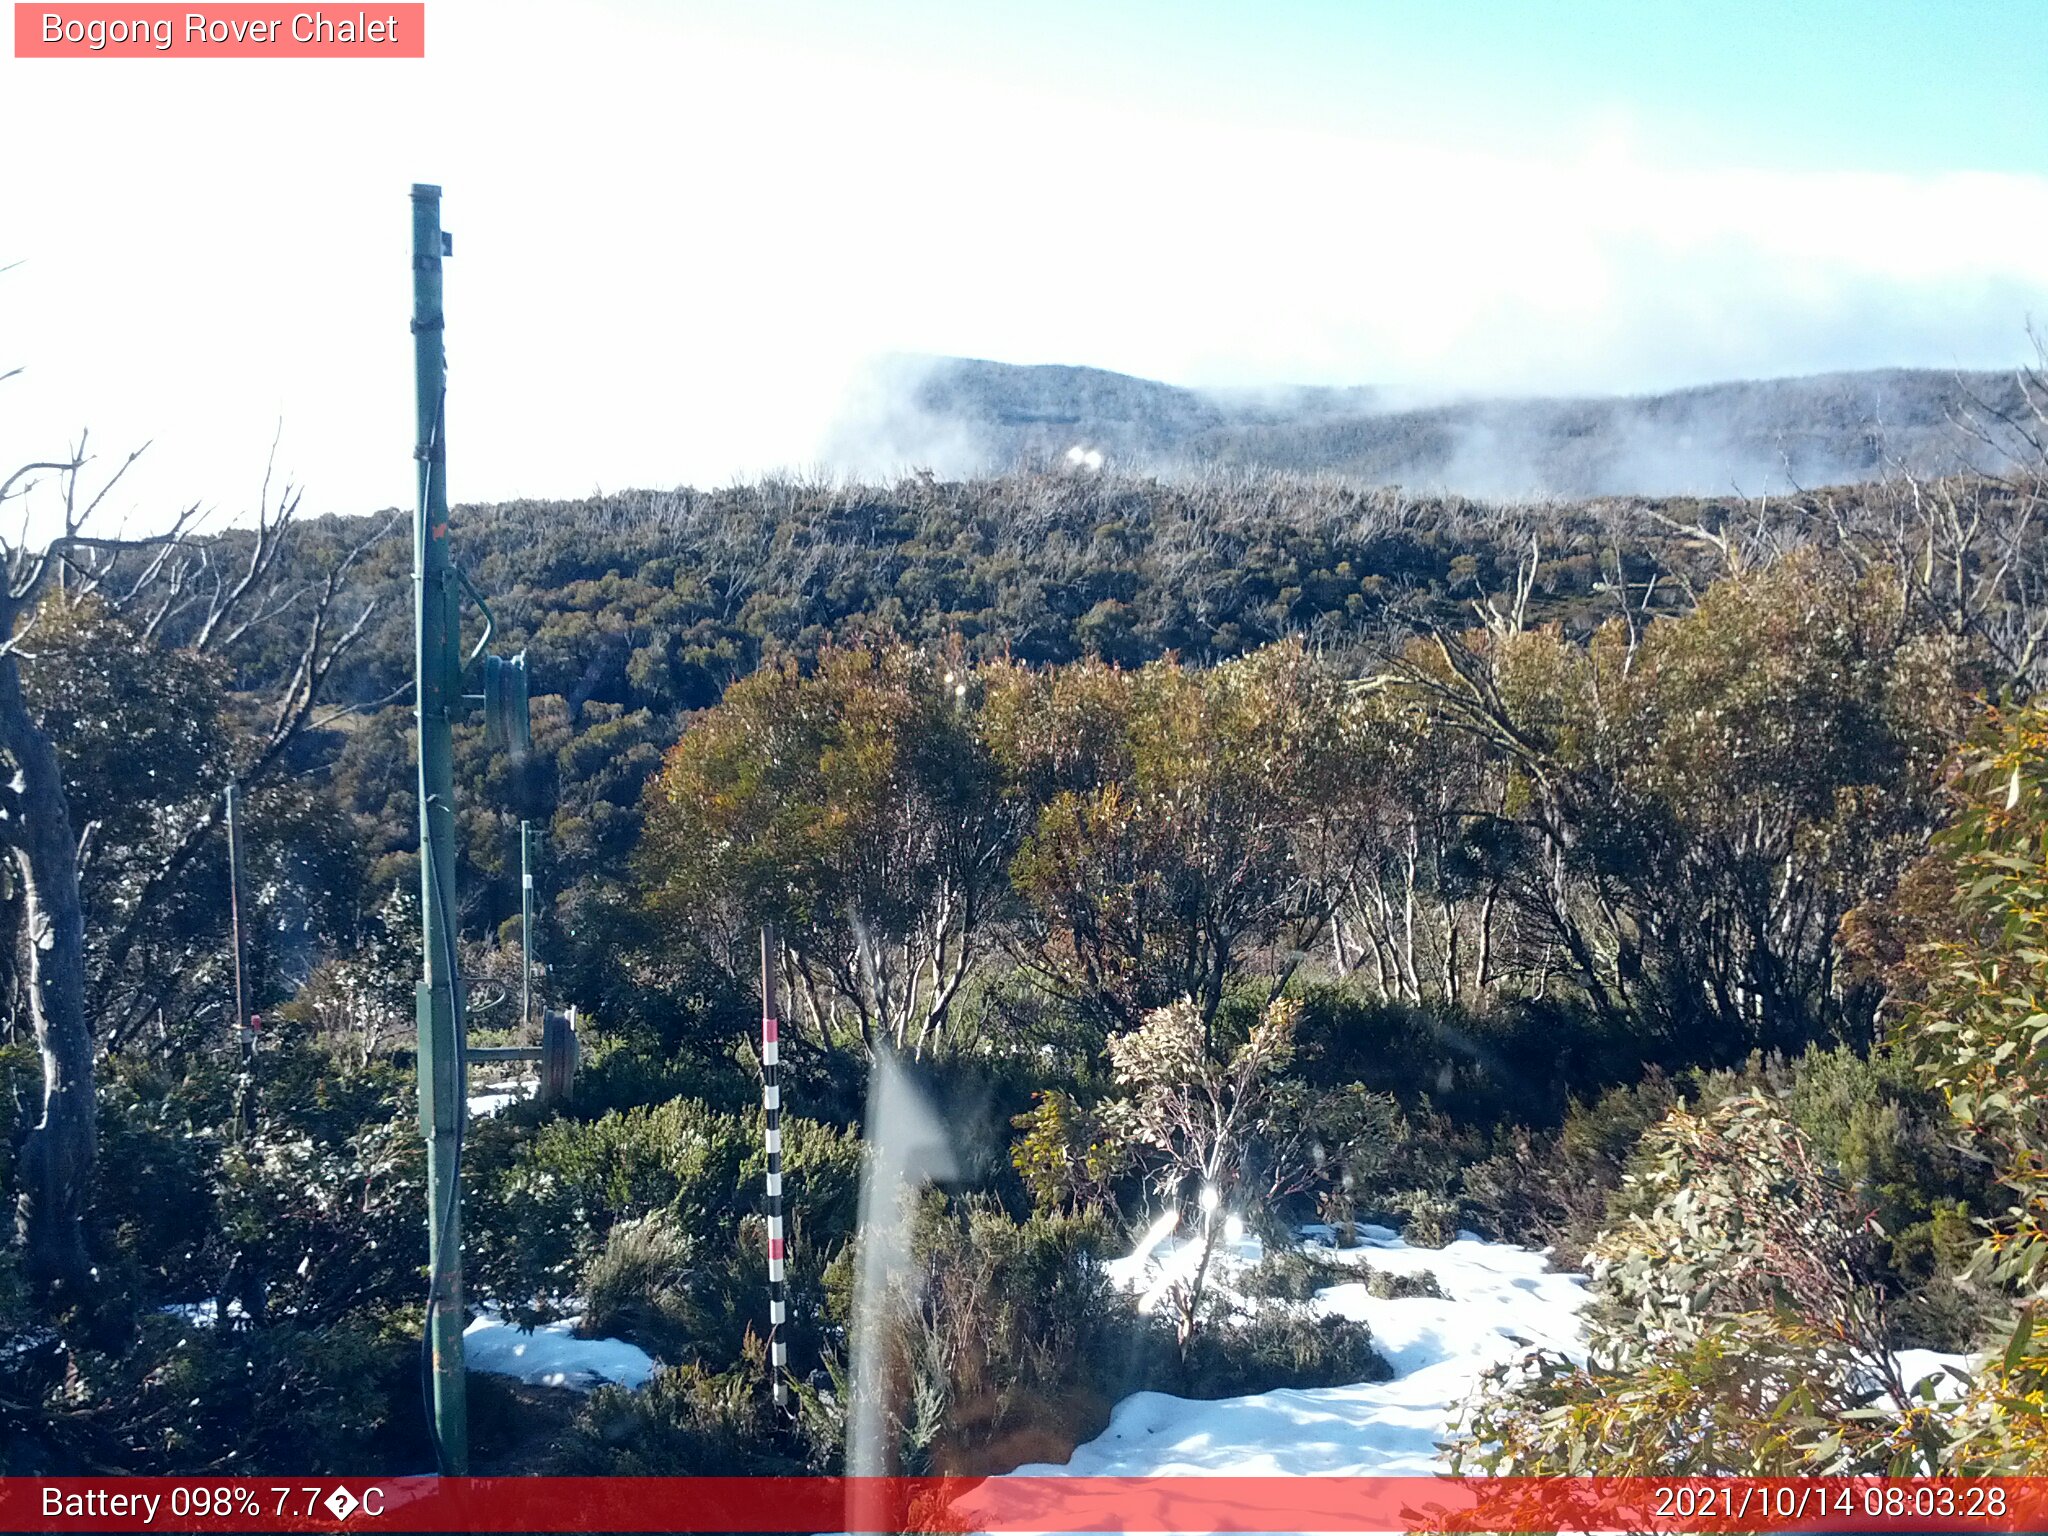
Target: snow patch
point(552, 1356)
point(501, 1094)
point(205, 1314)
point(1499, 1302)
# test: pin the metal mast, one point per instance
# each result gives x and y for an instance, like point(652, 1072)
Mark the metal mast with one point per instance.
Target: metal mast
point(245, 1034)
point(438, 674)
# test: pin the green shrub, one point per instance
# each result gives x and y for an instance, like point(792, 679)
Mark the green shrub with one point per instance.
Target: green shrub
point(1889, 1135)
point(821, 1168)
point(1278, 1346)
point(680, 1157)
point(546, 1200)
point(153, 1223)
point(1510, 1192)
point(332, 1226)
point(324, 1204)
point(309, 1087)
point(283, 1398)
point(1296, 1275)
point(1432, 1220)
point(727, 1292)
point(1597, 1137)
point(1337, 1207)
point(1067, 1155)
point(1937, 1307)
point(616, 1076)
point(1011, 1341)
point(686, 1422)
point(1954, 1237)
point(636, 1288)
point(1883, 1130)
point(697, 1300)
point(1389, 1286)
point(1293, 1275)
point(1732, 1324)
point(1510, 1064)
point(184, 1397)
point(1554, 1188)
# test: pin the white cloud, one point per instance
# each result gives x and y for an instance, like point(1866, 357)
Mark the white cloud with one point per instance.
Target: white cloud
point(674, 250)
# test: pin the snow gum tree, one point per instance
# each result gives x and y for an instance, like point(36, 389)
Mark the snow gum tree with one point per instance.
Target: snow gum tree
point(1977, 1026)
point(1183, 819)
point(854, 806)
point(1734, 1328)
point(160, 613)
point(1694, 805)
point(1223, 1126)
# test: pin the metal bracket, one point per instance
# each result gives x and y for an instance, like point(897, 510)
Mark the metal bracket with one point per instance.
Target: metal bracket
point(559, 1053)
point(440, 1074)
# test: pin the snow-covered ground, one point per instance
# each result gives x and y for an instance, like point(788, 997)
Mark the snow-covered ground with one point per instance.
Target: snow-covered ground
point(549, 1356)
point(498, 1095)
point(552, 1355)
point(1498, 1301)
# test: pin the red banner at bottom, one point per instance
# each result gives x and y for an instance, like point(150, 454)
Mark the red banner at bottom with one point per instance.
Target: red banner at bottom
point(1022, 1504)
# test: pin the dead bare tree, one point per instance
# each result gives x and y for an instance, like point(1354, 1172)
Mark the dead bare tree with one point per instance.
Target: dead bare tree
point(157, 581)
point(223, 610)
point(56, 1162)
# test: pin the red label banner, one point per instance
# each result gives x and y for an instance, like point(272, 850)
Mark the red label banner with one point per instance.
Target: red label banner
point(1009, 1505)
point(226, 31)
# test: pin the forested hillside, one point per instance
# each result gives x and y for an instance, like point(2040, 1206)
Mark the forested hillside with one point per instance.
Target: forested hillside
point(637, 610)
point(1531, 869)
point(1753, 437)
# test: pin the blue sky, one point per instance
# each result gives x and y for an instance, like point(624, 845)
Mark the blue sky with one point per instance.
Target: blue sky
point(684, 227)
point(1841, 85)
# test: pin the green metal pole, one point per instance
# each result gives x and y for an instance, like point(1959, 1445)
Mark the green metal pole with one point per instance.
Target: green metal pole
point(245, 1037)
point(526, 922)
point(439, 692)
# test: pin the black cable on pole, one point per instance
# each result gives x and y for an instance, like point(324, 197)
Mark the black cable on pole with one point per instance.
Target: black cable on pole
point(439, 1275)
point(431, 449)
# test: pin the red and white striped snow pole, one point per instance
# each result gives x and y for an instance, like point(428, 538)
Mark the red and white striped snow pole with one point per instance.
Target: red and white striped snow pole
point(771, 1103)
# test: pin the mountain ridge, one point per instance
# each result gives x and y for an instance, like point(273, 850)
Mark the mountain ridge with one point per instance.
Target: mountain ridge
point(1751, 436)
